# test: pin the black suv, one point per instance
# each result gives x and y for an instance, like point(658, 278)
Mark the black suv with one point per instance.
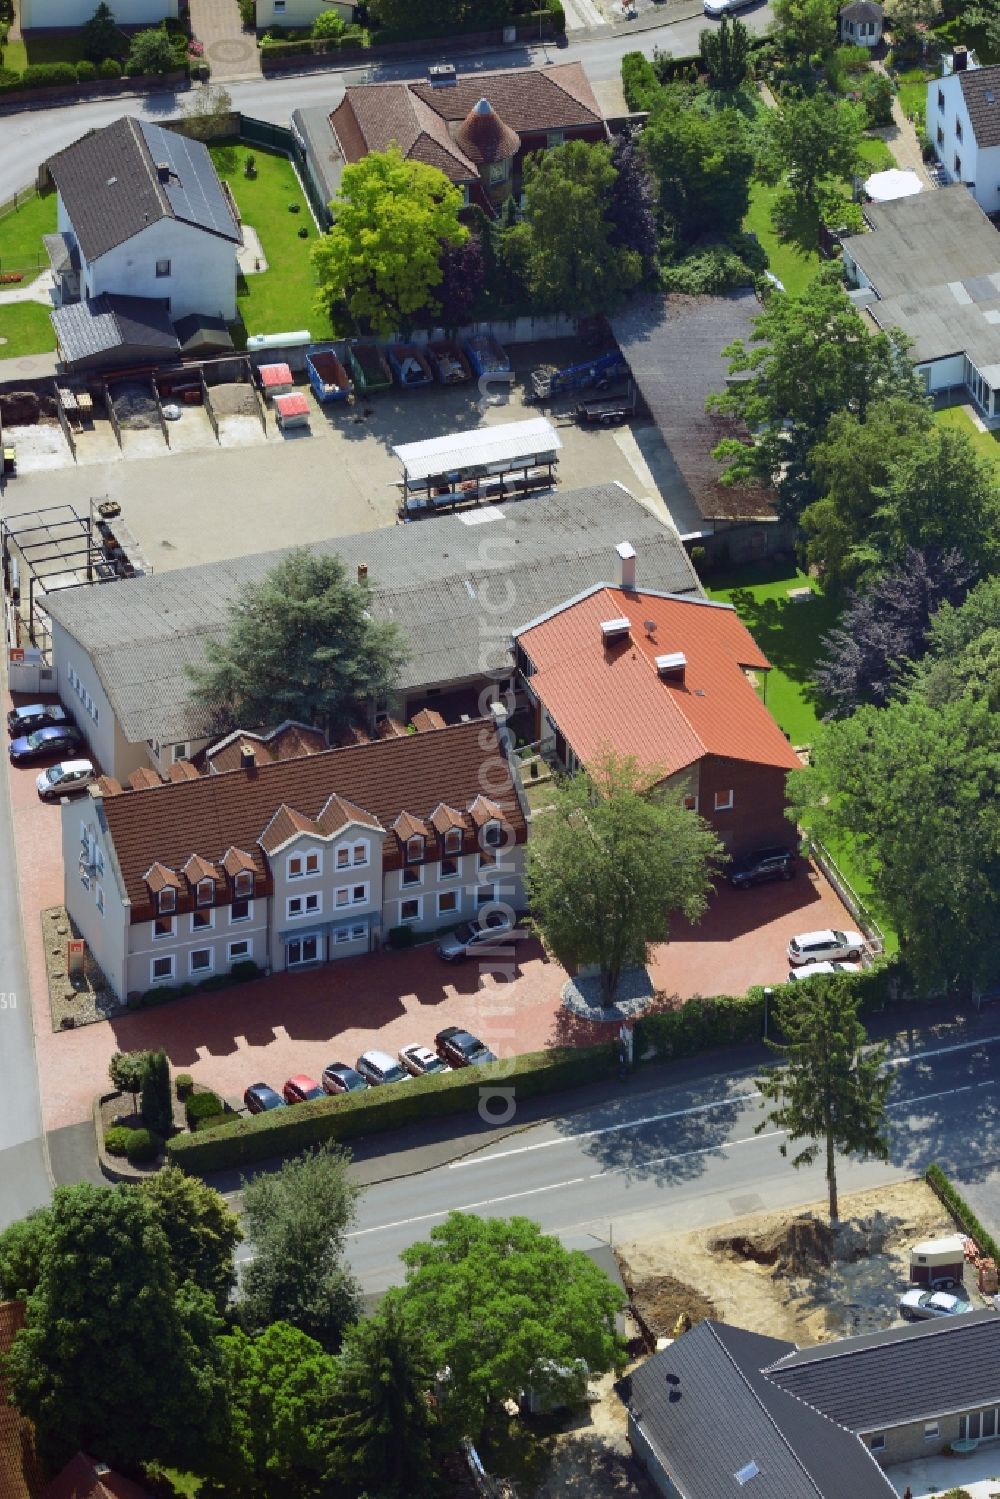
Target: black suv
point(765, 864)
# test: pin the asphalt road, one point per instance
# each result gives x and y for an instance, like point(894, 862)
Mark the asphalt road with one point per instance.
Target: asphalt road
point(29, 137)
point(682, 1158)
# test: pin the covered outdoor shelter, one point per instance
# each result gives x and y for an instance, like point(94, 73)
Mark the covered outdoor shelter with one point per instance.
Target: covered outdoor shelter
point(487, 463)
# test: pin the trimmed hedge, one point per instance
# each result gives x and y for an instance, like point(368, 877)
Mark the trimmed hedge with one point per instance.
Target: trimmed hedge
point(183, 1085)
point(49, 75)
point(143, 1145)
point(162, 994)
point(639, 82)
point(109, 69)
point(116, 1139)
point(86, 71)
point(961, 1211)
point(202, 1106)
point(285, 1132)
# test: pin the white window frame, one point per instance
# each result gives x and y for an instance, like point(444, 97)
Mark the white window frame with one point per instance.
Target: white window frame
point(302, 962)
point(162, 269)
point(418, 843)
point(238, 957)
point(199, 894)
point(489, 830)
point(166, 901)
point(877, 1441)
point(411, 876)
point(932, 1430)
point(453, 843)
point(555, 138)
point(454, 874)
point(167, 935)
point(449, 895)
point(364, 847)
point(310, 903)
point(161, 978)
point(723, 801)
point(342, 857)
point(243, 885)
point(179, 752)
point(485, 895)
point(208, 968)
point(360, 894)
point(418, 915)
point(359, 933)
point(302, 861)
point(198, 921)
point(239, 920)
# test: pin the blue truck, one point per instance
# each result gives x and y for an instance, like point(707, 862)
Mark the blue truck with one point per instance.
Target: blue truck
point(597, 373)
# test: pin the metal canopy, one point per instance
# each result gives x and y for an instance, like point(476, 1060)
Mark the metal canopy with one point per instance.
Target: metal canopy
point(484, 450)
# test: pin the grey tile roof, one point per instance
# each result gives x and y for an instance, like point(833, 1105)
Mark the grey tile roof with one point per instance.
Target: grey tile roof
point(905, 1374)
point(862, 10)
point(98, 325)
point(981, 92)
point(110, 186)
point(709, 1412)
point(674, 348)
point(458, 586)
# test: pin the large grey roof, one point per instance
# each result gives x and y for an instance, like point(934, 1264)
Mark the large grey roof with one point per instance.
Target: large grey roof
point(100, 324)
point(934, 261)
point(904, 1374)
point(981, 92)
point(109, 183)
point(708, 1411)
point(458, 586)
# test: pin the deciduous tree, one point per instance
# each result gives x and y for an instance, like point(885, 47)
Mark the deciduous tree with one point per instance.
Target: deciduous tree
point(382, 257)
point(725, 51)
point(610, 864)
point(942, 496)
point(813, 141)
point(804, 28)
point(632, 206)
point(831, 1087)
point(201, 1230)
point(151, 52)
point(493, 1298)
point(301, 644)
point(24, 1245)
point(297, 1219)
point(126, 1071)
point(463, 272)
point(702, 165)
point(208, 112)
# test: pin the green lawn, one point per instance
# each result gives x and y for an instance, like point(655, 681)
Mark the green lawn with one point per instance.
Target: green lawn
point(913, 95)
point(876, 154)
point(21, 231)
point(985, 443)
point(794, 261)
point(280, 299)
point(25, 328)
point(15, 56)
point(64, 47)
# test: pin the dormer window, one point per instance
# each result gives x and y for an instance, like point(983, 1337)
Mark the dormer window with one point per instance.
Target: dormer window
point(492, 835)
point(243, 885)
point(453, 841)
point(167, 900)
point(205, 893)
point(414, 850)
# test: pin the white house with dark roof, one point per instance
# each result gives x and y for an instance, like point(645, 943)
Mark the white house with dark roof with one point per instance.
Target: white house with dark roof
point(963, 121)
point(142, 214)
point(62, 15)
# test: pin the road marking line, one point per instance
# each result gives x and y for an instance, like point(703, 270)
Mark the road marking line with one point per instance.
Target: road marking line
point(943, 1051)
point(466, 1207)
point(905, 1103)
point(604, 1129)
point(771, 1134)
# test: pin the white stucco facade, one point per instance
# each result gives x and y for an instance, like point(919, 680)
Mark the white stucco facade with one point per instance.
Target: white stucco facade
point(186, 267)
point(63, 14)
point(298, 13)
point(961, 158)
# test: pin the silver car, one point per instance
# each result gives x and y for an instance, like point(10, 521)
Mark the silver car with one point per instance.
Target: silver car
point(420, 1060)
point(379, 1067)
point(475, 936)
point(918, 1305)
point(68, 778)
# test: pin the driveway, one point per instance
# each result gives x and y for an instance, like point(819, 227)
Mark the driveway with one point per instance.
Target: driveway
point(231, 52)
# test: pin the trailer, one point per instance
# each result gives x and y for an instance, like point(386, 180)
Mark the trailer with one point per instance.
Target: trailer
point(409, 366)
point(598, 373)
point(366, 364)
point(611, 411)
point(449, 364)
point(486, 356)
point(328, 377)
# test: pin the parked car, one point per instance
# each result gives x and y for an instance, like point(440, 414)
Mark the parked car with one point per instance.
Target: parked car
point(917, 1305)
point(419, 1060)
point(339, 1078)
point(717, 8)
point(811, 970)
point(765, 864)
point(472, 936)
point(461, 1048)
point(67, 778)
point(259, 1099)
point(379, 1067)
point(36, 716)
point(44, 742)
point(824, 947)
point(300, 1089)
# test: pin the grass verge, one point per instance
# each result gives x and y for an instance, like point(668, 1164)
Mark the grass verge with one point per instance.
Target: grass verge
point(21, 231)
point(986, 444)
point(25, 328)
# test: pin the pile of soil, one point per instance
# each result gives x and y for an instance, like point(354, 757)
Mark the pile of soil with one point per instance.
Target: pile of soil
point(233, 400)
point(807, 1243)
point(23, 408)
point(661, 1302)
point(135, 408)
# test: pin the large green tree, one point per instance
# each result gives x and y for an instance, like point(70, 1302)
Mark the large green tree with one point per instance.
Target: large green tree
point(702, 164)
point(439, 17)
point(831, 1087)
point(279, 1392)
point(725, 51)
point(571, 263)
point(912, 786)
point(385, 1427)
point(810, 357)
point(942, 496)
point(962, 643)
point(805, 28)
point(24, 1245)
point(116, 1358)
point(814, 142)
point(494, 1297)
point(202, 1230)
point(609, 865)
point(301, 644)
point(382, 257)
point(297, 1220)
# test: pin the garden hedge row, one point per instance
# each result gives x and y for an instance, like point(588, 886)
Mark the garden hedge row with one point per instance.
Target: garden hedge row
point(284, 1132)
point(960, 1210)
point(640, 84)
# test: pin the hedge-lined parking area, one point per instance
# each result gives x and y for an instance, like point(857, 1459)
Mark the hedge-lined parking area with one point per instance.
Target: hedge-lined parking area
point(960, 1210)
point(284, 1132)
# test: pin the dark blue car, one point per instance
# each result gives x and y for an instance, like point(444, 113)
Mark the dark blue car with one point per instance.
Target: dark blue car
point(43, 743)
point(259, 1098)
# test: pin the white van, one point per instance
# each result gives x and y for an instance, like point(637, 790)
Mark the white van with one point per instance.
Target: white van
point(825, 947)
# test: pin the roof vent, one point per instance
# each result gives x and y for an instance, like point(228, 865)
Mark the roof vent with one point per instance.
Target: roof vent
point(442, 75)
point(672, 666)
point(112, 181)
point(649, 625)
point(362, 572)
point(163, 171)
point(614, 629)
point(743, 1475)
point(626, 564)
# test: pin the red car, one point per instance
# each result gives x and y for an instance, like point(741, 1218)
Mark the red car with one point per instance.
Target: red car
point(300, 1089)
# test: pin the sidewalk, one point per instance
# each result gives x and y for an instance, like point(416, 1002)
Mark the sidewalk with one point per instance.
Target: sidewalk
point(230, 51)
point(901, 138)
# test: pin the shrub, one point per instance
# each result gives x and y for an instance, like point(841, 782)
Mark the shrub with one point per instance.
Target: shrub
point(960, 1210)
point(246, 969)
point(183, 1085)
point(157, 1106)
point(100, 35)
point(8, 80)
point(329, 25)
point(285, 1132)
point(927, 148)
point(710, 272)
point(110, 68)
point(49, 75)
point(202, 1106)
point(639, 81)
point(86, 71)
point(295, 208)
point(558, 16)
point(303, 232)
point(143, 1145)
point(116, 1139)
point(151, 52)
point(877, 94)
point(248, 14)
point(398, 937)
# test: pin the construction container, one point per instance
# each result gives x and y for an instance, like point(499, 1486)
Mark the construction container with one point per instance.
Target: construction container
point(328, 377)
point(409, 366)
point(486, 356)
point(449, 364)
point(367, 365)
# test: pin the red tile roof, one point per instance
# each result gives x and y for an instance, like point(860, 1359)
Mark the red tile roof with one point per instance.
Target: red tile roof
point(286, 742)
point(376, 116)
point(223, 818)
point(610, 696)
point(426, 719)
point(17, 1464)
point(83, 1478)
point(528, 100)
point(144, 777)
point(484, 137)
point(181, 770)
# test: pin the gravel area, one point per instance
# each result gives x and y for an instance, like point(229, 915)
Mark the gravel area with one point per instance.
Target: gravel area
point(73, 1002)
point(582, 995)
point(237, 399)
point(135, 407)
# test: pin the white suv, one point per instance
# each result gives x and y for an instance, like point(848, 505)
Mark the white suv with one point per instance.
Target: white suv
point(812, 970)
point(825, 947)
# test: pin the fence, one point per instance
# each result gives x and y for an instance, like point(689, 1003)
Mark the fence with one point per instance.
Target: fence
point(848, 895)
point(30, 264)
point(279, 138)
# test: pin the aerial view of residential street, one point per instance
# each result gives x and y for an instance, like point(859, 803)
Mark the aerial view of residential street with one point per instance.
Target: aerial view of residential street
point(499, 826)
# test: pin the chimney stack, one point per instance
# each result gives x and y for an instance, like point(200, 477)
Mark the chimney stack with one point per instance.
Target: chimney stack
point(626, 565)
point(163, 171)
point(960, 59)
point(247, 757)
point(362, 572)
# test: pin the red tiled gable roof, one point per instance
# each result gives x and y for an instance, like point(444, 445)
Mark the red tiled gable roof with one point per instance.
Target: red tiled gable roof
point(376, 116)
point(529, 100)
point(609, 696)
point(426, 719)
point(81, 1479)
point(16, 1448)
point(407, 826)
point(144, 777)
point(338, 812)
point(198, 868)
point(181, 770)
point(223, 816)
point(108, 786)
point(444, 818)
point(483, 811)
point(390, 728)
point(286, 742)
point(158, 878)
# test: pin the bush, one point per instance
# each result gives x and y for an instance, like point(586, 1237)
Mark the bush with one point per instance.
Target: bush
point(303, 232)
point(150, 53)
point(877, 94)
point(110, 68)
point(205, 1105)
point(711, 272)
point(330, 25)
point(49, 75)
point(246, 969)
point(248, 14)
point(8, 80)
point(927, 148)
point(960, 1210)
point(183, 1085)
point(558, 17)
point(639, 82)
point(157, 1106)
point(86, 71)
point(116, 1139)
point(285, 1132)
point(143, 1145)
